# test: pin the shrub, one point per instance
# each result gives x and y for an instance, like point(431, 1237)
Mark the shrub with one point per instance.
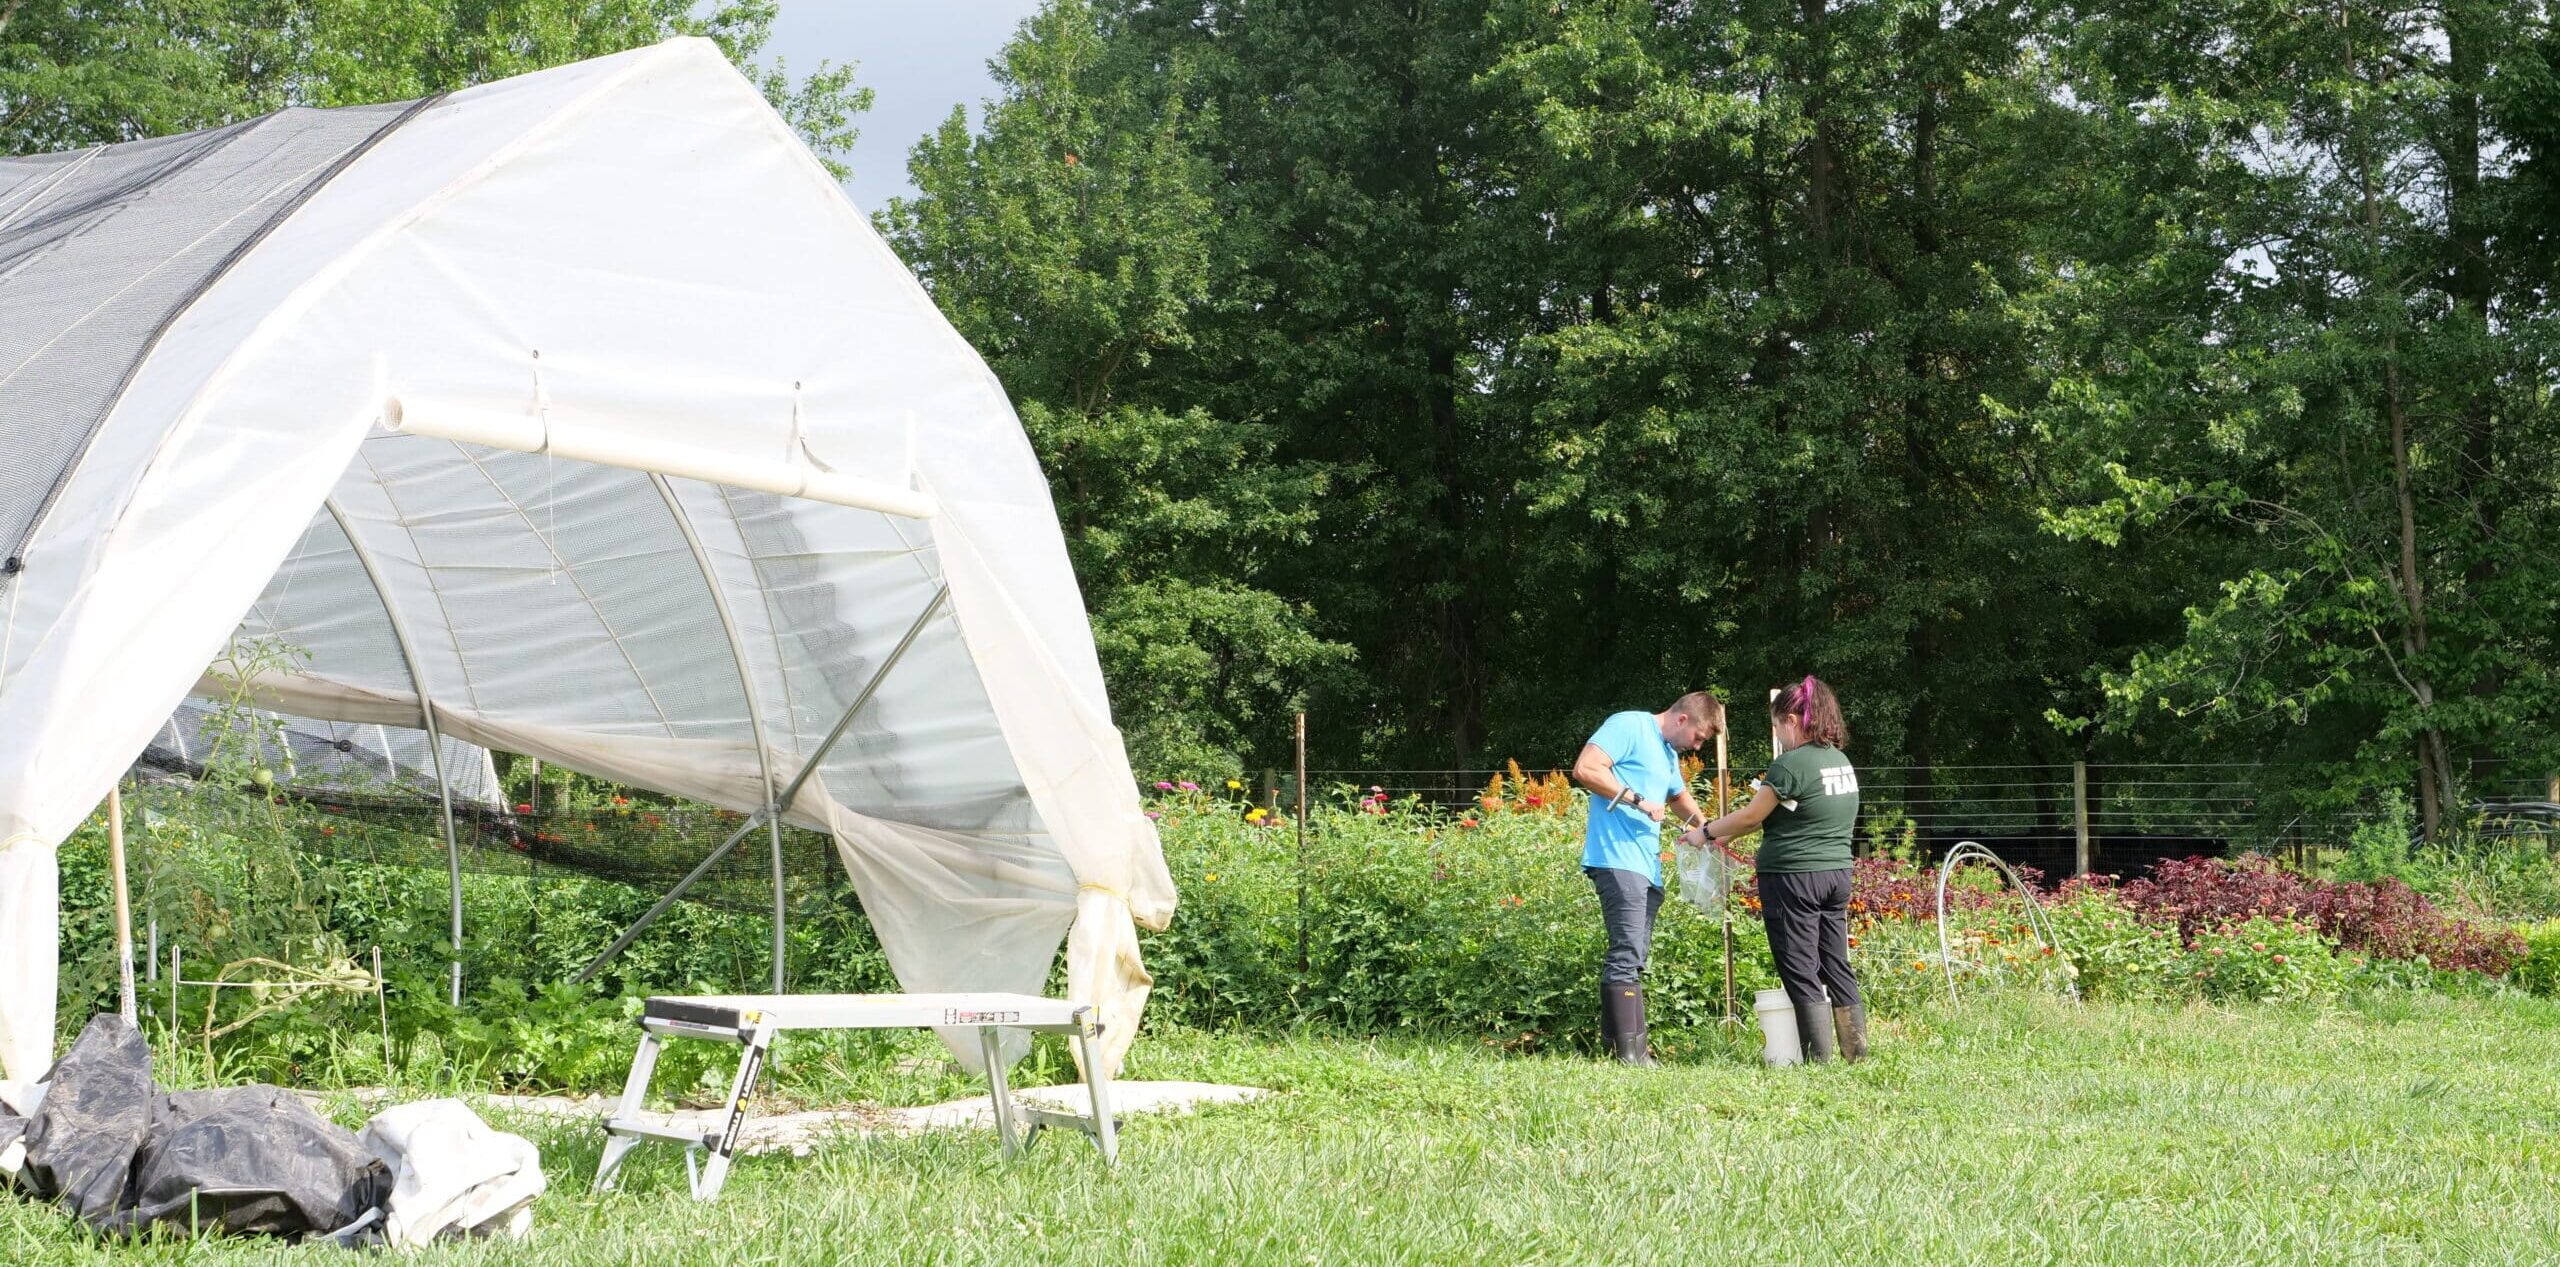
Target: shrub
point(2540, 969)
point(2118, 952)
point(2385, 918)
point(2266, 960)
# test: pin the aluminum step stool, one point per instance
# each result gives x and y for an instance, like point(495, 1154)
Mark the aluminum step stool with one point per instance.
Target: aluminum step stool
point(752, 1020)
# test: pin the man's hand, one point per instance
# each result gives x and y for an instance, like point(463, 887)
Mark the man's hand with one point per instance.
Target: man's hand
point(1652, 809)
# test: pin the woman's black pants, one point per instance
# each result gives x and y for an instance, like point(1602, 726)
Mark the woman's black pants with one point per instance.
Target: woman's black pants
point(1808, 918)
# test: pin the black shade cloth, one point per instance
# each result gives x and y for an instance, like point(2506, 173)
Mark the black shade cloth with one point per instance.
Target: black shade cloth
point(125, 1156)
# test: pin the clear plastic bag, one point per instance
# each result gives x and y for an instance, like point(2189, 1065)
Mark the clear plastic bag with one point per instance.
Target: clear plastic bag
point(1705, 875)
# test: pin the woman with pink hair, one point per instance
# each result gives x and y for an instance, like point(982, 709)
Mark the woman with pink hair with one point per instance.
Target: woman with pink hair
point(1806, 809)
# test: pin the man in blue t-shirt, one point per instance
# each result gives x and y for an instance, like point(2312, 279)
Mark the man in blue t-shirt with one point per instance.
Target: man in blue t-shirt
point(1631, 767)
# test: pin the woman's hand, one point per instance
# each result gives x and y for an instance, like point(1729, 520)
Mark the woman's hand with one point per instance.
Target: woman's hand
point(1695, 838)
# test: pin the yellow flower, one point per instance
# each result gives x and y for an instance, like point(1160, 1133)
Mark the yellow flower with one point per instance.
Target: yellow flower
point(1211, 878)
point(1255, 814)
point(1234, 786)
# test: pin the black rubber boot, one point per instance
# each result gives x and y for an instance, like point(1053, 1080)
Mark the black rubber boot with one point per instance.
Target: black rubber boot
point(1626, 1018)
point(1608, 1022)
point(1813, 1029)
point(1850, 1024)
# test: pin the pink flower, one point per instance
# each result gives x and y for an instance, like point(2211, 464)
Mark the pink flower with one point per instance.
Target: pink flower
point(1155, 813)
point(1188, 786)
point(1163, 786)
point(2279, 959)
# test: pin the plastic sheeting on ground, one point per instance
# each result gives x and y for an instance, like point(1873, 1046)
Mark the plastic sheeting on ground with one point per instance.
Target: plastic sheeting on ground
point(124, 1156)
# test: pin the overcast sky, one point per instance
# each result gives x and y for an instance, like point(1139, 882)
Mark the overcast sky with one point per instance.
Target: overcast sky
point(919, 58)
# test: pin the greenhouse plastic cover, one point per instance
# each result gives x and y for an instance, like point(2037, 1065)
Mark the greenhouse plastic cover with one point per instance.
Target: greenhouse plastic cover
point(199, 338)
point(313, 755)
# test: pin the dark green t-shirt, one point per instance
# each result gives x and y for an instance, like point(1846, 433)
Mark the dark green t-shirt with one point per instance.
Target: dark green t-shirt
point(1813, 834)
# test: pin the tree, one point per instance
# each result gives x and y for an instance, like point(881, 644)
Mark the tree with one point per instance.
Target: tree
point(1070, 241)
point(74, 74)
point(2315, 369)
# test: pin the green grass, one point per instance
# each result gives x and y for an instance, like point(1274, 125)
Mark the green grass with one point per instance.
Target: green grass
point(2398, 1129)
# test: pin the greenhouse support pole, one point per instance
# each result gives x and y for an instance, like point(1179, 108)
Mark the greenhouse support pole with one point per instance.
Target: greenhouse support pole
point(427, 722)
point(807, 769)
point(640, 925)
point(755, 706)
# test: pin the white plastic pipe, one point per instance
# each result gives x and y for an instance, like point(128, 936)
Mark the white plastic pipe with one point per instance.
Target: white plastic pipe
point(524, 433)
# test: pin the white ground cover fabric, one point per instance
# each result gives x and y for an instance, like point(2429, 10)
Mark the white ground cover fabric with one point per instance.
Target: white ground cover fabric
point(635, 244)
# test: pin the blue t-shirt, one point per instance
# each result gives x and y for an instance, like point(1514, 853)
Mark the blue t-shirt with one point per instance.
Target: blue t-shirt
point(1623, 838)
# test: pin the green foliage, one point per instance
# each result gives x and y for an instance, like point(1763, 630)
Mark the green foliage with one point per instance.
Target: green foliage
point(2265, 960)
point(2540, 971)
point(1073, 241)
point(2118, 954)
point(80, 74)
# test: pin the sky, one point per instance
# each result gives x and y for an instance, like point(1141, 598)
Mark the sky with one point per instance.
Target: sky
point(919, 58)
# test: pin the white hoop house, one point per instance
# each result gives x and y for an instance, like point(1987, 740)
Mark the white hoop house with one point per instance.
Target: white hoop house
point(577, 415)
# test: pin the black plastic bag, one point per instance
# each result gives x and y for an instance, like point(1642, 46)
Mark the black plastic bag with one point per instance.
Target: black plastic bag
point(251, 1159)
point(97, 1112)
point(124, 1155)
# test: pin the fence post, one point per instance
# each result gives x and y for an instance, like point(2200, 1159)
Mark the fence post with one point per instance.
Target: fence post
point(1271, 789)
point(2080, 816)
point(1302, 845)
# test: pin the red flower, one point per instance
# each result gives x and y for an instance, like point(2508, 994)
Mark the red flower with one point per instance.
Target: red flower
point(524, 808)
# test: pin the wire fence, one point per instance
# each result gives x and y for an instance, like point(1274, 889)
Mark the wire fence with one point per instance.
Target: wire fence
point(2116, 817)
point(2119, 818)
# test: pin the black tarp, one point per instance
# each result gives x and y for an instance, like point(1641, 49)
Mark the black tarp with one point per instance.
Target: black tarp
point(125, 1155)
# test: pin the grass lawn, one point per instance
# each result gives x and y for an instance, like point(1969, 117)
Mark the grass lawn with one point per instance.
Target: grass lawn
point(2399, 1129)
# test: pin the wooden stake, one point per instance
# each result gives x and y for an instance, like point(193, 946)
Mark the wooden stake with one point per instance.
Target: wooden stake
point(1724, 799)
point(124, 903)
point(1302, 844)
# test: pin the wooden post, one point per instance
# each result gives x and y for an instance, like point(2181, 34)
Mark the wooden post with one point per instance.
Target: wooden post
point(1302, 843)
point(1724, 799)
point(1271, 789)
point(1777, 746)
point(2080, 816)
point(124, 902)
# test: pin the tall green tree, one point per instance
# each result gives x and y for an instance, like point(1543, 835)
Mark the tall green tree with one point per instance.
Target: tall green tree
point(2308, 355)
point(1071, 240)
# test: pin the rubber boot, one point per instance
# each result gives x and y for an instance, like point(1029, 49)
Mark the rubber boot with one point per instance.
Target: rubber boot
point(1608, 1021)
point(1850, 1024)
point(1813, 1029)
point(1626, 1018)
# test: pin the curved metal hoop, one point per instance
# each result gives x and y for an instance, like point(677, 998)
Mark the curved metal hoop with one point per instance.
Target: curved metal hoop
point(1975, 851)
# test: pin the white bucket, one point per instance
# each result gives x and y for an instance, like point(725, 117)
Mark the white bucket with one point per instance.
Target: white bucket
point(1781, 1045)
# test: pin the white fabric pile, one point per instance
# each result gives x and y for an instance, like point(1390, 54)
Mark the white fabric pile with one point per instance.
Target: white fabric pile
point(452, 1176)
